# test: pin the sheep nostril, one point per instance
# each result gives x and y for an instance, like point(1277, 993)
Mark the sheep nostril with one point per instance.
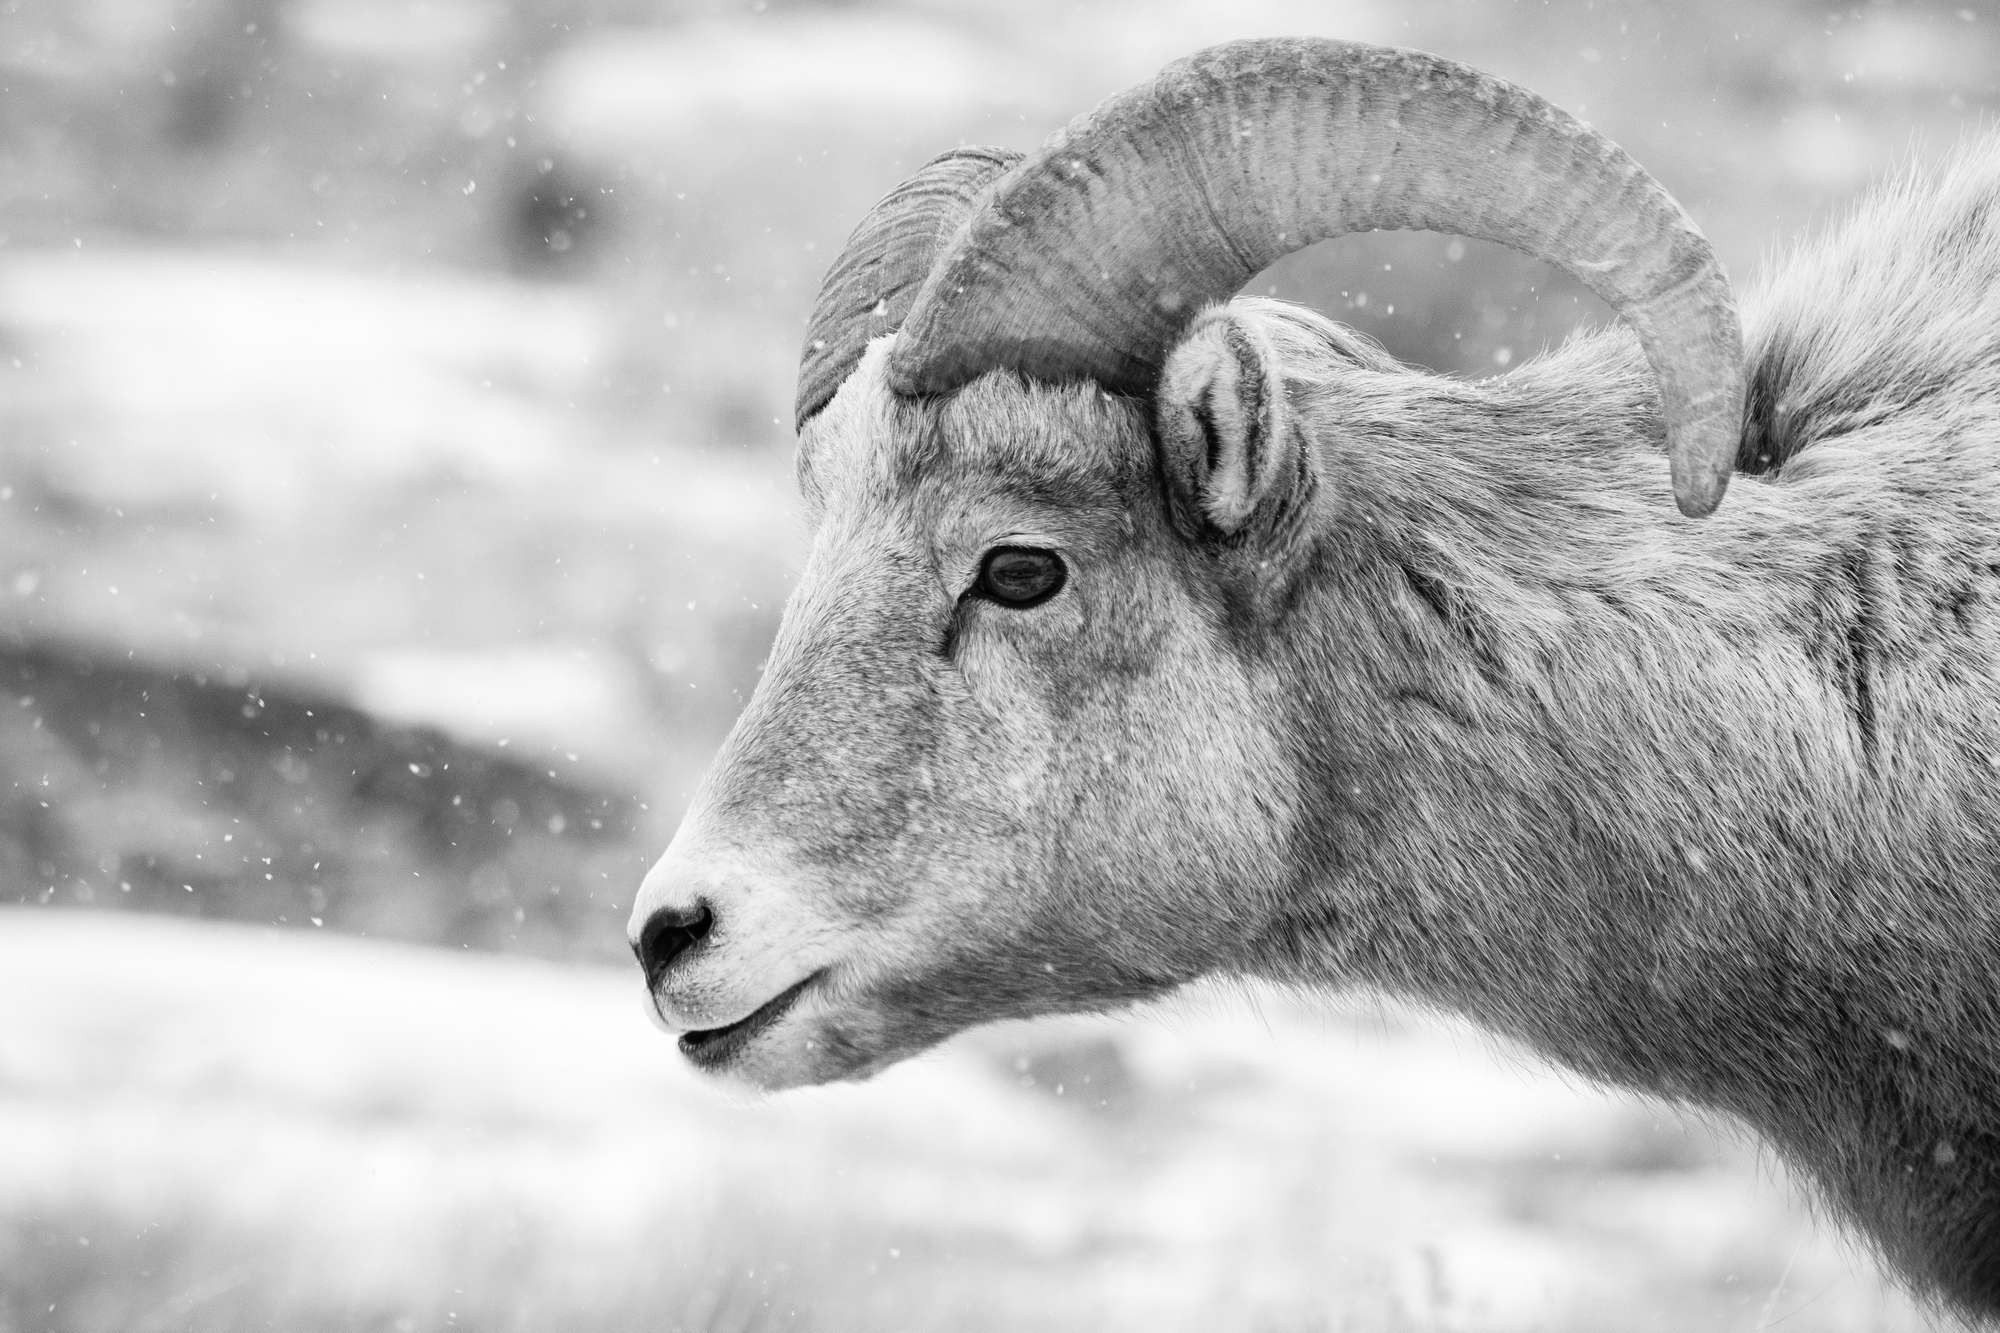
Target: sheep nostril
point(669, 933)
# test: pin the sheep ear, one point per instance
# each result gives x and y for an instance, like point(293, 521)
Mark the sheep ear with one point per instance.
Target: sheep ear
point(1225, 431)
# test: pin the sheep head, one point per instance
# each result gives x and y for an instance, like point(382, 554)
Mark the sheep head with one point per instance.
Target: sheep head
point(996, 706)
point(1017, 750)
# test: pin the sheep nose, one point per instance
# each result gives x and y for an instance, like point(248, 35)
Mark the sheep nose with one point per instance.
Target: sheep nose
point(669, 933)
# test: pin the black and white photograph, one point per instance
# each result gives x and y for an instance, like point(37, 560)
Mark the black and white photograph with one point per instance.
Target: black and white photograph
point(860, 666)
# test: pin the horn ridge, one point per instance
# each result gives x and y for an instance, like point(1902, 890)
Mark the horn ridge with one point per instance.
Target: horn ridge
point(872, 283)
point(1090, 258)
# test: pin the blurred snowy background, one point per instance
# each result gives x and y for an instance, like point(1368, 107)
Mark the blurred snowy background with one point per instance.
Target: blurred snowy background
point(394, 508)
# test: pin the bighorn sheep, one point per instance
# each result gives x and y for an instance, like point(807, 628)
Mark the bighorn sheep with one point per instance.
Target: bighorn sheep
point(1144, 638)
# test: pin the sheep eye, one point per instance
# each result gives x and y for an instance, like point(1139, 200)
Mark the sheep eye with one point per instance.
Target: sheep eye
point(1020, 576)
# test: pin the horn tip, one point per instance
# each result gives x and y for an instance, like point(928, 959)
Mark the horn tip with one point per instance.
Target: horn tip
point(1697, 491)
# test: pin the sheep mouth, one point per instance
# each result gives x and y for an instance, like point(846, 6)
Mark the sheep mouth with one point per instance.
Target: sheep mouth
point(712, 1048)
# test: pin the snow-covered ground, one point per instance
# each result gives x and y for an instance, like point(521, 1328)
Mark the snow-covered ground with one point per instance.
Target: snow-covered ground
point(217, 1126)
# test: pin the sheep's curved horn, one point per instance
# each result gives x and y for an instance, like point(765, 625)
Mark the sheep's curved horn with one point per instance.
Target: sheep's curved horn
point(1089, 260)
point(872, 284)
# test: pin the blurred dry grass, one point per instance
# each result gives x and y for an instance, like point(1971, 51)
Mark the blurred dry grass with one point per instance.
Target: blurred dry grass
point(395, 478)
